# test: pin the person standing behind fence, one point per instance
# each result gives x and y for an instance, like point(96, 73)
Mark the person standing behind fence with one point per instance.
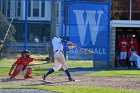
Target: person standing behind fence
point(58, 58)
point(123, 48)
point(1, 46)
point(133, 42)
point(133, 49)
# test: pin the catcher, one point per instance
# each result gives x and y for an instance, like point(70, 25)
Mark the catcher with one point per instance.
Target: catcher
point(20, 67)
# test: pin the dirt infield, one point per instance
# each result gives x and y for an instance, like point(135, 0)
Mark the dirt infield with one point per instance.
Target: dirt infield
point(111, 82)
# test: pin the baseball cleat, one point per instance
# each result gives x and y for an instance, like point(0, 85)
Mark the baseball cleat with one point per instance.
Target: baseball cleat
point(71, 79)
point(12, 78)
point(43, 77)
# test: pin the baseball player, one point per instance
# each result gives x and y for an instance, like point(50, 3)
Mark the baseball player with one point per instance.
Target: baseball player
point(123, 47)
point(20, 67)
point(58, 58)
point(133, 50)
point(135, 57)
point(133, 42)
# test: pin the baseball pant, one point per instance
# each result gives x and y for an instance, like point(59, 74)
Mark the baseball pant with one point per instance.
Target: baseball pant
point(133, 56)
point(23, 73)
point(123, 55)
point(59, 61)
point(136, 58)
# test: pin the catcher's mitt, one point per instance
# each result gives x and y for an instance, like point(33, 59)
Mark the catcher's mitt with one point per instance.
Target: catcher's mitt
point(47, 59)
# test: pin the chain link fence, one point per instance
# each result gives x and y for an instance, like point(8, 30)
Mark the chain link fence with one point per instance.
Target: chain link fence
point(38, 37)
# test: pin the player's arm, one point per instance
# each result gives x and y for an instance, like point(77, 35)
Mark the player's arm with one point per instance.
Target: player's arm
point(35, 59)
point(47, 59)
point(70, 45)
point(30, 59)
point(11, 69)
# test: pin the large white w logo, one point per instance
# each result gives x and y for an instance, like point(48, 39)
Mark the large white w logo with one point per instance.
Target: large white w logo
point(89, 20)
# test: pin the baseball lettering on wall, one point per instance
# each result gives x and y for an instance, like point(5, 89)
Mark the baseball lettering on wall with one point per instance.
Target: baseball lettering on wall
point(89, 29)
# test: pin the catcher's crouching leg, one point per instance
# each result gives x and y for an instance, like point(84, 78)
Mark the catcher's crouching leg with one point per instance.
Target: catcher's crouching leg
point(29, 72)
point(16, 71)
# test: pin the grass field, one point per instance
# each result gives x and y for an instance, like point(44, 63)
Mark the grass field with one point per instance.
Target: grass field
point(117, 73)
point(42, 67)
point(39, 68)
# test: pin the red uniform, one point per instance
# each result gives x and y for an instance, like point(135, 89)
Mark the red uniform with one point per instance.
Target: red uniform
point(123, 45)
point(133, 43)
point(21, 64)
point(24, 62)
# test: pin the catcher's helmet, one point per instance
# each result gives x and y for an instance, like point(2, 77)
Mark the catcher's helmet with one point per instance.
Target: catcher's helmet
point(24, 52)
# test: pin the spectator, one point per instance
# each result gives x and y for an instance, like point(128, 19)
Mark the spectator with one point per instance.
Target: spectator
point(1, 46)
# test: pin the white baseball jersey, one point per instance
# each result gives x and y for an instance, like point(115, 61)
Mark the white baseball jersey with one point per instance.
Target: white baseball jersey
point(58, 55)
point(57, 44)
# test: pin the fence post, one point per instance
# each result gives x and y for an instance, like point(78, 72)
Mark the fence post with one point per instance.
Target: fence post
point(26, 24)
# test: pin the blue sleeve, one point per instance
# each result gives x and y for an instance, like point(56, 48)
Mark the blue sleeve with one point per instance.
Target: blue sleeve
point(64, 42)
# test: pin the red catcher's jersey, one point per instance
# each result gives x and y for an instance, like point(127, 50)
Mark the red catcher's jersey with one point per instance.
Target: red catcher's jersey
point(23, 61)
point(123, 45)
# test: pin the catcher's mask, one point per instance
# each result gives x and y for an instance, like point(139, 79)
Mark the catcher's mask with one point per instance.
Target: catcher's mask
point(25, 52)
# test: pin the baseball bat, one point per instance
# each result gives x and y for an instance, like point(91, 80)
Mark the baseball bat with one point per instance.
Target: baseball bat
point(8, 30)
point(85, 50)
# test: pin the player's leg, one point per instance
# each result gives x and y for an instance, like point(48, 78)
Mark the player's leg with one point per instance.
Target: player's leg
point(28, 72)
point(138, 62)
point(65, 67)
point(16, 71)
point(124, 57)
point(134, 58)
point(137, 59)
point(55, 68)
point(121, 58)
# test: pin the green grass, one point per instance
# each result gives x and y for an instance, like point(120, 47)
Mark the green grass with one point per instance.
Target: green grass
point(4, 71)
point(117, 73)
point(40, 67)
point(75, 89)
point(9, 61)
